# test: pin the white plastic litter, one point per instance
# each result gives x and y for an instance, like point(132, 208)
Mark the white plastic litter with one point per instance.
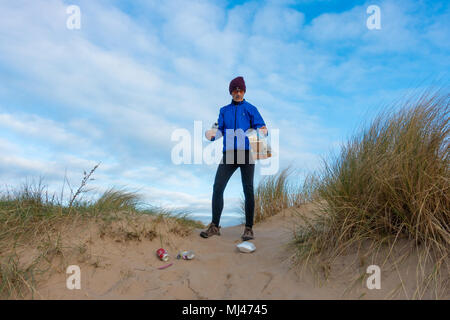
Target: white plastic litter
point(259, 144)
point(246, 247)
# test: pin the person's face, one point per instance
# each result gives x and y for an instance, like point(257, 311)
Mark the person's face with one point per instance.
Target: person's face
point(238, 95)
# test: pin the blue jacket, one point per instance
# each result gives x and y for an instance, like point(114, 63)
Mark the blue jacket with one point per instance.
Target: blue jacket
point(242, 115)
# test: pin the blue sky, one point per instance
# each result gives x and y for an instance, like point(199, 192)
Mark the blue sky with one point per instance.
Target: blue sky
point(114, 90)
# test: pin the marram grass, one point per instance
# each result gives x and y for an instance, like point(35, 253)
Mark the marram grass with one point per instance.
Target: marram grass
point(390, 181)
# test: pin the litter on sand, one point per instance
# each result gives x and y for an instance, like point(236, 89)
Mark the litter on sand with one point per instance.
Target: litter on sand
point(162, 254)
point(246, 247)
point(166, 266)
point(186, 255)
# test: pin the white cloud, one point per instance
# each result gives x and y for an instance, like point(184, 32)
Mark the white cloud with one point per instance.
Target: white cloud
point(33, 126)
point(332, 27)
point(278, 22)
point(115, 90)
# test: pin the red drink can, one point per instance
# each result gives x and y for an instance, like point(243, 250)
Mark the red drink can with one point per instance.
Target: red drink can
point(162, 254)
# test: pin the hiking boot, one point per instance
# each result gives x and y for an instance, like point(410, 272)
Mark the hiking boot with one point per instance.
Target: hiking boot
point(248, 234)
point(211, 231)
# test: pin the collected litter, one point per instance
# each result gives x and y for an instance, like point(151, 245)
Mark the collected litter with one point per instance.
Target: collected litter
point(212, 132)
point(186, 255)
point(162, 254)
point(166, 266)
point(259, 144)
point(246, 247)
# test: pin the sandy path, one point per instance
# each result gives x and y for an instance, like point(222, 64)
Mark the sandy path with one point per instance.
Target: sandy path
point(129, 270)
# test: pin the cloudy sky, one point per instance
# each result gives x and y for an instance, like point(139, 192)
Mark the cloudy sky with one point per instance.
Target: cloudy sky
point(114, 90)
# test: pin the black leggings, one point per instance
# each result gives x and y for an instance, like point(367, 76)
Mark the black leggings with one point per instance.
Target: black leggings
point(228, 165)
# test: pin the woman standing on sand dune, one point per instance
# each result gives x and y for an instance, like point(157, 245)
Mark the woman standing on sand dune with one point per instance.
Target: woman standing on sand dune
point(239, 114)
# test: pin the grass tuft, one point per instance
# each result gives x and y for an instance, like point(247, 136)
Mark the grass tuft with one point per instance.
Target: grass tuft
point(389, 182)
point(34, 229)
point(277, 192)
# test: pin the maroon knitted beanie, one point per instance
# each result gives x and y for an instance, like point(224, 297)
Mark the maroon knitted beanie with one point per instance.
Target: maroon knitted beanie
point(237, 83)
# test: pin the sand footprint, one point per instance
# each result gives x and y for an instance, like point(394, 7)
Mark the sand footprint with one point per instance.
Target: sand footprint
point(270, 277)
point(228, 285)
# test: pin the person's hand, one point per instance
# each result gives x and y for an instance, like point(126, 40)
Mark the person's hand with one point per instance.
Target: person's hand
point(263, 130)
point(210, 134)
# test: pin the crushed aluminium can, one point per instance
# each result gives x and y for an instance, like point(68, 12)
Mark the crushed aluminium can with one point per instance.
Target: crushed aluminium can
point(186, 255)
point(162, 254)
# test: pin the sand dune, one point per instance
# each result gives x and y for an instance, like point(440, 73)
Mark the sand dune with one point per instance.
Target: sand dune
point(129, 270)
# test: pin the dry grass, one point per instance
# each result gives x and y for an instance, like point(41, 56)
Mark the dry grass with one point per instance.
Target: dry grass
point(276, 193)
point(390, 181)
point(34, 230)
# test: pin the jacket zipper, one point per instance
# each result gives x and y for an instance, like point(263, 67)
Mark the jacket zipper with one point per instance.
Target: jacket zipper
point(235, 144)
